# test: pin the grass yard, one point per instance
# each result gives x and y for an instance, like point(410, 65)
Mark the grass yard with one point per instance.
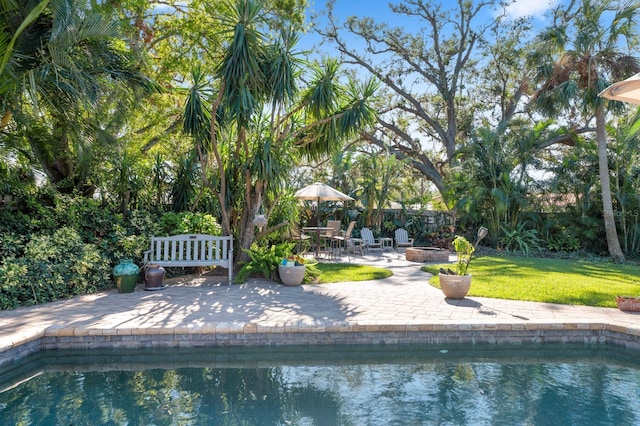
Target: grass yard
point(572, 282)
point(343, 272)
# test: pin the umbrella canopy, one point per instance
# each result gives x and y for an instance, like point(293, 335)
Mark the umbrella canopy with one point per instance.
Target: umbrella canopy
point(626, 90)
point(321, 192)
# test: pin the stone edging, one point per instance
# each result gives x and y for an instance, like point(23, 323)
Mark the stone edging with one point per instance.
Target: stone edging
point(252, 334)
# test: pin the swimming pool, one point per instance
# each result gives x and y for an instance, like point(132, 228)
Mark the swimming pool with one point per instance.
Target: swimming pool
point(327, 385)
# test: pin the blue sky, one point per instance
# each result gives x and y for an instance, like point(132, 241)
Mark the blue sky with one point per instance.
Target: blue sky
point(379, 10)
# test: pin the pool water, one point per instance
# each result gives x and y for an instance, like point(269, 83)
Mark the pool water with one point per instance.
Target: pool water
point(335, 385)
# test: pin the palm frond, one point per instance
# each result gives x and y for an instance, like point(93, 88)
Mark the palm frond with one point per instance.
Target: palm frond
point(324, 92)
point(29, 19)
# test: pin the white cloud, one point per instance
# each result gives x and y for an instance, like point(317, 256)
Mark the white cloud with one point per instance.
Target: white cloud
point(535, 8)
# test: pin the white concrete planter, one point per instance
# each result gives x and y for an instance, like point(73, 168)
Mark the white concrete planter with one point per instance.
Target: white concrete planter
point(455, 286)
point(291, 275)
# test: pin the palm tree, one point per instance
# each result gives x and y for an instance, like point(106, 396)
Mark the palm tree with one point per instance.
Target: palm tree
point(62, 61)
point(259, 121)
point(578, 56)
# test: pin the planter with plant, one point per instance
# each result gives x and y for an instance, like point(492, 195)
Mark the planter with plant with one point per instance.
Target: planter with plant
point(291, 270)
point(267, 260)
point(456, 284)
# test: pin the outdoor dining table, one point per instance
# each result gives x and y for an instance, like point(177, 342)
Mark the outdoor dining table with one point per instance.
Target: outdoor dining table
point(317, 230)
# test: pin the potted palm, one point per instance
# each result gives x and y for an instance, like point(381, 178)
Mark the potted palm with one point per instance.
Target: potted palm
point(456, 284)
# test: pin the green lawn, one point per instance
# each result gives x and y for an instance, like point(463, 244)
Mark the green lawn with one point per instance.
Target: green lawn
point(572, 282)
point(344, 272)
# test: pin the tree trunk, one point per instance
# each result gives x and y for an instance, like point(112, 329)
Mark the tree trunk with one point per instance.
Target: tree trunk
point(246, 230)
point(613, 243)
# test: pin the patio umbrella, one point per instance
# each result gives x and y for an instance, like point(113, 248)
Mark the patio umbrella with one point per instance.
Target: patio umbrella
point(320, 192)
point(626, 90)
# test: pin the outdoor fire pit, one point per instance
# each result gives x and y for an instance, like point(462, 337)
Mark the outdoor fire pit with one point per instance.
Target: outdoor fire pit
point(427, 254)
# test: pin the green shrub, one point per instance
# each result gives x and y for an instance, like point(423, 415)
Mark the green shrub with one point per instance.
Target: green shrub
point(89, 217)
point(11, 245)
point(563, 242)
point(520, 239)
point(143, 222)
point(53, 267)
point(189, 223)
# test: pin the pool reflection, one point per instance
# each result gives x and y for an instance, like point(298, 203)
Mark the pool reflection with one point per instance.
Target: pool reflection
point(337, 385)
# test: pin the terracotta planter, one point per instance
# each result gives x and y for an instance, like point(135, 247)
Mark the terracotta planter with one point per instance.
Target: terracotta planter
point(291, 275)
point(455, 286)
point(628, 304)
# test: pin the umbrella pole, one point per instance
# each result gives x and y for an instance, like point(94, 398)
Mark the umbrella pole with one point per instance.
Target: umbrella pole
point(318, 229)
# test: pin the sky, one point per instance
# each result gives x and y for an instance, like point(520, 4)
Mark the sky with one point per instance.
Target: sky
point(379, 10)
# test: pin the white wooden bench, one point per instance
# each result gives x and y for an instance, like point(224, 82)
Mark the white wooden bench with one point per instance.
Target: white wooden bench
point(189, 250)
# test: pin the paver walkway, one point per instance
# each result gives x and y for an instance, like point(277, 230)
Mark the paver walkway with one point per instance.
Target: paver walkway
point(205, 305)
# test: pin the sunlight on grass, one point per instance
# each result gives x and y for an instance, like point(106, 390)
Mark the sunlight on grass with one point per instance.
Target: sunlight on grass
point(572, 282)
point(343, 272)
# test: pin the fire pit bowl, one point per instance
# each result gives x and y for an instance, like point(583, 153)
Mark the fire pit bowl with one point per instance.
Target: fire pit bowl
point(426, 254)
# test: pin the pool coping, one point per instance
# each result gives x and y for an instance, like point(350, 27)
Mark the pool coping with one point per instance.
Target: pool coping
point(252, 334)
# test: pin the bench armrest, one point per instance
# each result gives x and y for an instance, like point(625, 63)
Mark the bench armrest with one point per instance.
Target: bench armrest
point(146, 257)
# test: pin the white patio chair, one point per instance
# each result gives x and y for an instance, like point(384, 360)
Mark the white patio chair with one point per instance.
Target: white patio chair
point(369, 241)
point(402, 239)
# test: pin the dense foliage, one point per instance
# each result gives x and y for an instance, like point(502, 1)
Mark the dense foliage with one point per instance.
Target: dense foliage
point(57, 246)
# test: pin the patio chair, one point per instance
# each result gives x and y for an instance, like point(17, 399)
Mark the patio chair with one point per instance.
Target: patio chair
point(353, 245)
point(332, 231)
point(369, 241)
point(334, 228)
point(299, 237)
point(339, 240)
point(402, 239)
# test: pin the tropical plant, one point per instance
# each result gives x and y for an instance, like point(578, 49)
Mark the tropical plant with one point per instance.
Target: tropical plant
point(563, 241)
point(577, 57)
point(520, 239)
point(379, 174)
point(492, 180)
point(464, 249)
point(264, 260)
point(251, 126)
point(624, 155)
point(66, 59)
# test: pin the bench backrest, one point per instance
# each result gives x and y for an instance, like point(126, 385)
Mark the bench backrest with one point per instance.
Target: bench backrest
point(191, 248)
